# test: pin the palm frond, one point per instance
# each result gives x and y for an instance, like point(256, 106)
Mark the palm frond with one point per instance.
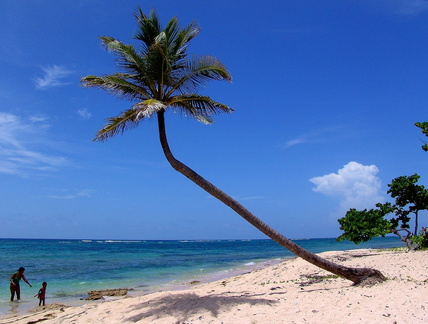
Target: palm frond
point(131, 61)
point(148, 107)
point(165, 52)
point(185, 36)
point(129, 118)
point(198, 72)
point(117, 85)
point(148, 27)
point(198, 107)
point(127, 56)
point(170, 32)
point(119, 124)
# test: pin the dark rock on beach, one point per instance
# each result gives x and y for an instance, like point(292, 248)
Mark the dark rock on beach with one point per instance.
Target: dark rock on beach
point(99, 294)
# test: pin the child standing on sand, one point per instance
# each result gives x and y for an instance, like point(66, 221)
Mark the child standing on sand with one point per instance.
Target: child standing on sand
point(42, 293)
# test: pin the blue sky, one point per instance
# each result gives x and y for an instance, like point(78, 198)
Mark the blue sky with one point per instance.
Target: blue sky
point(326, 94)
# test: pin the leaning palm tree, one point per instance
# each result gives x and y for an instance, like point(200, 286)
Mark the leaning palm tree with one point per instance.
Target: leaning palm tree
point(160, 75)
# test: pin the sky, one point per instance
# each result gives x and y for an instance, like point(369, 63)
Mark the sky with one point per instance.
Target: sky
point(325, 93)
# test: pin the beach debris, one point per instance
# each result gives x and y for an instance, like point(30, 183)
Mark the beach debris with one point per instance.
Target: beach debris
point(99, 294)
point(195, 282)
point(48, 307)
point(275, 288)
point(314, 278)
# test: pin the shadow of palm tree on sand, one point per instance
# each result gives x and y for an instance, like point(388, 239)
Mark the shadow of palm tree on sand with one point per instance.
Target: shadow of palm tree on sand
point(182, 306)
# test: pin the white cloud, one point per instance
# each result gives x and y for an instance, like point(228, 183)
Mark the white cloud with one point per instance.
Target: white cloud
point(412, 7)
point(86, 193)
point(316, 136)
point(405, 7)
point(37, 119)
point(53, 77)
point(84, 113)
point(20, 149)
point(356, 186)
point(300, 140)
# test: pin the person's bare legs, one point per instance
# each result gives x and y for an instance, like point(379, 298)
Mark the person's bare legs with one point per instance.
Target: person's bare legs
point(15, 289)
point(18, 293)
point(12, 291)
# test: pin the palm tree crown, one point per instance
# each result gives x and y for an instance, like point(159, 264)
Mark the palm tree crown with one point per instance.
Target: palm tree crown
point(159, 75)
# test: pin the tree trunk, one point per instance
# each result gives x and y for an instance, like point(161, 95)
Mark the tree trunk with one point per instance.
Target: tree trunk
point(416, 223)
point(406, 239)
point(359, 276)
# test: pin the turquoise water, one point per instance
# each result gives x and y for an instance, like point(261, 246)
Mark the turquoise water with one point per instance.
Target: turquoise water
point(74, 267)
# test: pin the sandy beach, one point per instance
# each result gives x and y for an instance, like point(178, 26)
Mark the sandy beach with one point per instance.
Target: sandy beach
point(293, 291)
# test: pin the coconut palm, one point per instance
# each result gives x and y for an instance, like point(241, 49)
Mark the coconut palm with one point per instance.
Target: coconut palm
point(160, 75)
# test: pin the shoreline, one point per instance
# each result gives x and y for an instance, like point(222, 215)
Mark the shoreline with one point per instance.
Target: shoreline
point(29, 305)
point(74, 267)
point(292, 291)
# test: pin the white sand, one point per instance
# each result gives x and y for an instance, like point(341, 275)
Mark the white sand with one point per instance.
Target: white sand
point(281, 293)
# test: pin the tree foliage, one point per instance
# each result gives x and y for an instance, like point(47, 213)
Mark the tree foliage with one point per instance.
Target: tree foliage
point(363, 225)
point(410, 199)
point(424, 128)
point(158, 74)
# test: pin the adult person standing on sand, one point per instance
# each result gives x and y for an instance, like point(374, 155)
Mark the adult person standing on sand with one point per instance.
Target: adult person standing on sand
point(14, 283)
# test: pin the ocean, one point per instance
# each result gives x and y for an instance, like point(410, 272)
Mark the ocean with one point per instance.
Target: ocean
point(72, 268)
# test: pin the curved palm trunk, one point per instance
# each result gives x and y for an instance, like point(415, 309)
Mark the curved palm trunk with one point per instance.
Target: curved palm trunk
point(356, 275)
